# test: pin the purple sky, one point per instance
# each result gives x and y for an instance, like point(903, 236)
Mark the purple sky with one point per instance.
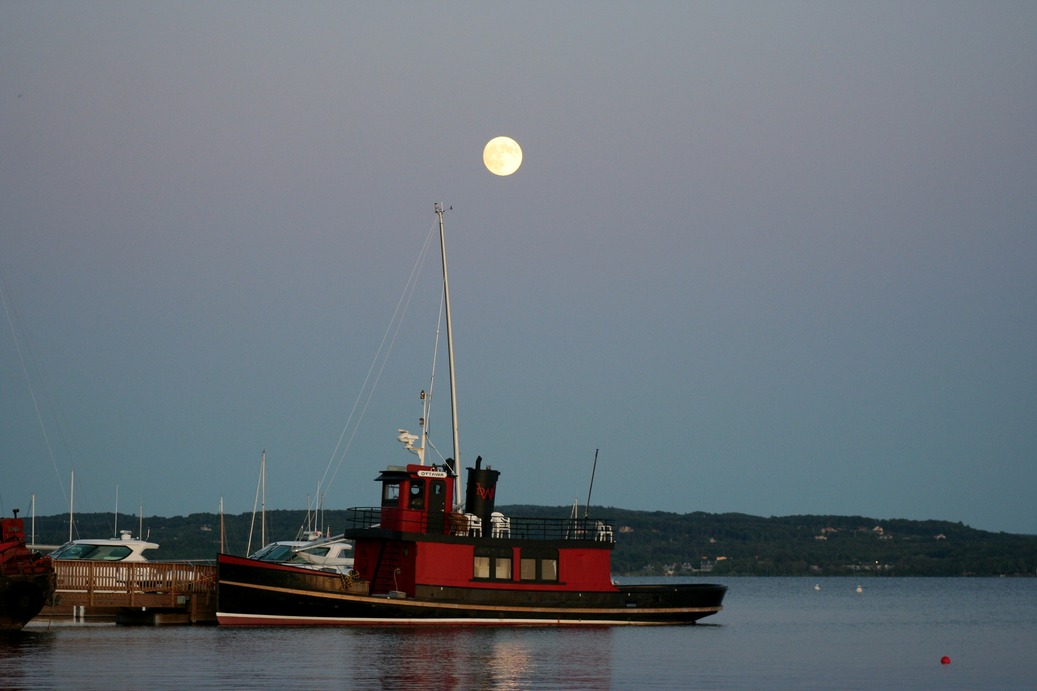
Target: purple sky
point(774, 258)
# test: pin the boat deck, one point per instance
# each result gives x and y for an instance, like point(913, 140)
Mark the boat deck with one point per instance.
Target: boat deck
point(498, 525)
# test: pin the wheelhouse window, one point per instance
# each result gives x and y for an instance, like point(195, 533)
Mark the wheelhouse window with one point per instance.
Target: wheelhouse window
point(391, 494)
point(417, 495)
point(493, 564)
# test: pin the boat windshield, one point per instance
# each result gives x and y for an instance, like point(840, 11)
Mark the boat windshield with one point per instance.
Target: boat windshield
point(91, 552)
point(275, 552)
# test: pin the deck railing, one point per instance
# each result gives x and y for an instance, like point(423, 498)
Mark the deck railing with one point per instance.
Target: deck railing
point(517, 527)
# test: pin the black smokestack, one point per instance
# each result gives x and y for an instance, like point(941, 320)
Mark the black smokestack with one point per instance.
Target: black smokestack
point(481, 491)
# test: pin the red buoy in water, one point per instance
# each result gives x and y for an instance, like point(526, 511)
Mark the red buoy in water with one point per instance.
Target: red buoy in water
point(945, 660)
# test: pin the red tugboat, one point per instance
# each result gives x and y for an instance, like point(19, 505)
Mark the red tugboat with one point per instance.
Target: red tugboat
point(419, 563)
point(421, 559)
point(27, 579)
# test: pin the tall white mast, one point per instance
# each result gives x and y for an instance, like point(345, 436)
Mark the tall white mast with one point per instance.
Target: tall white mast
point(71, 503)
point(262, 522)
point(450, 355)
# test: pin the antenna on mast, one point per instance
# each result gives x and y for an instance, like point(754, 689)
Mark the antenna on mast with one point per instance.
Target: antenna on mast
point(587, 508)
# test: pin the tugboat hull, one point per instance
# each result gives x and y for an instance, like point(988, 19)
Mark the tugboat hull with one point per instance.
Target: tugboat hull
point(27, 579)
point(22, 598)
point(254, 594)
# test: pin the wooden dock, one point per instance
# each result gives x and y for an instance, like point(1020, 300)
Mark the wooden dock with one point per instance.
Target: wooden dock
point(139, 593)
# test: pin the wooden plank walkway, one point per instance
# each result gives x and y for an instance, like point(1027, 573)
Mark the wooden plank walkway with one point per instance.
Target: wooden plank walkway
point(147, 592)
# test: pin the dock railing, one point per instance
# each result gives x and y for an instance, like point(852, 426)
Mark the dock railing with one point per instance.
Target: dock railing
point(162, 585)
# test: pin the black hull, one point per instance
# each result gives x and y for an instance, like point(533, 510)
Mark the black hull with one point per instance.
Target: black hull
point(23, 596)
point(257, 595)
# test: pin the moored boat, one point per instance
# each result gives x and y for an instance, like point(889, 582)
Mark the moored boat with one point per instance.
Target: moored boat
point(124, 548)
point(27, 579)
point(423, 557)
point(317, 552)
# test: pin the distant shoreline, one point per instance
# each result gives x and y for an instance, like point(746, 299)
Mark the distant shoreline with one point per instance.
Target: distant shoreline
point(649, 543)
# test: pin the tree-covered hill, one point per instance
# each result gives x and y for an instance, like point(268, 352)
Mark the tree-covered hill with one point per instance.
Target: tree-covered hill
point(648, 542)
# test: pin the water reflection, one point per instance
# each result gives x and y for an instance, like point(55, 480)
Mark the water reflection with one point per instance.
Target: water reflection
point(776, 633)
point(481, 657)
point(510, 662)
point(24, 657)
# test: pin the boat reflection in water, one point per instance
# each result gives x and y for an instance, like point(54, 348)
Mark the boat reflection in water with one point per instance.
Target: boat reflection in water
point(481, 657)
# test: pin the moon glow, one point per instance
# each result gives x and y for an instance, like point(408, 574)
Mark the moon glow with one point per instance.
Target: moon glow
point(502, 156)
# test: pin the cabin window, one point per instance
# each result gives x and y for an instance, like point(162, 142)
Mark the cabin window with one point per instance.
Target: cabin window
point(390, 494)
point(417, 495)
point(492, 564)
point(538, 567)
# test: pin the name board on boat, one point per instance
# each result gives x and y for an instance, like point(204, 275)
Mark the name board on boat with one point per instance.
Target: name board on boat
point(431, 473)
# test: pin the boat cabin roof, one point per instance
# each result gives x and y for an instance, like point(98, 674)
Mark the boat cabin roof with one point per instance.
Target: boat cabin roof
point(399, 472)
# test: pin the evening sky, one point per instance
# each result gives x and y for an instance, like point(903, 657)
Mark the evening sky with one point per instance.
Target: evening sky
point(768, 257)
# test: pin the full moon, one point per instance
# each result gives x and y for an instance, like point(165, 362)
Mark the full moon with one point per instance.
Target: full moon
point(502, 156)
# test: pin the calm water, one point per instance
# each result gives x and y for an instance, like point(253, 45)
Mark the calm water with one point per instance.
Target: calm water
point(775, 633)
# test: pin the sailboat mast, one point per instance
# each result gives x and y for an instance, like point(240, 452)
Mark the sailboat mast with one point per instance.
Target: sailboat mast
point(71, 503)
point(450, 355)
point(262, 479)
